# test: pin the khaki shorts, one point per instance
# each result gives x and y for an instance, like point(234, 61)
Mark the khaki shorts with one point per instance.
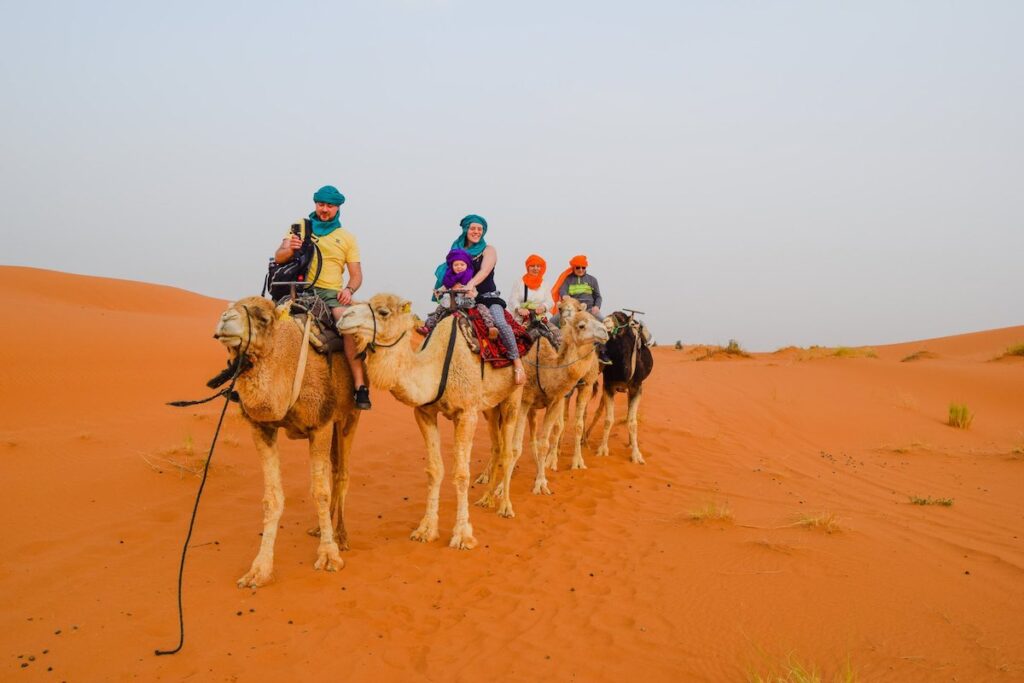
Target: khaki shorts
point(329, 296)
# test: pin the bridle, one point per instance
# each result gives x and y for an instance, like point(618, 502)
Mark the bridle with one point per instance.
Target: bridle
point(373, 345)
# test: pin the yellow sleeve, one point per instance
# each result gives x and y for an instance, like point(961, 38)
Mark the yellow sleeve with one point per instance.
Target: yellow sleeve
point(351, 248)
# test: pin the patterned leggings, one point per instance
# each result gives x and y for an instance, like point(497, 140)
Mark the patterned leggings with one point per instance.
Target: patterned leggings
point(505, 330)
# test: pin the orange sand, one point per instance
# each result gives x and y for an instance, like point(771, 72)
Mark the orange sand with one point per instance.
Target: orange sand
point(607, 580)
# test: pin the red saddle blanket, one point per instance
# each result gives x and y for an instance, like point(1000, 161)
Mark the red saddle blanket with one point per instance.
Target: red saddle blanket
point(495, 352)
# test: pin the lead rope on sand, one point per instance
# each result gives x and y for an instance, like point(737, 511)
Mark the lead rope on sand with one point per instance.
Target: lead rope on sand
point(202, 484)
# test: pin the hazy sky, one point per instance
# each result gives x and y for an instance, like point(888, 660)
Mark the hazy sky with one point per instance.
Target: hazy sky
point(778, 173)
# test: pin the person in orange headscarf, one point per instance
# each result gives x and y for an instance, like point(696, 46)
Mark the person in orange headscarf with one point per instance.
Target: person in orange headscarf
point(530, 301)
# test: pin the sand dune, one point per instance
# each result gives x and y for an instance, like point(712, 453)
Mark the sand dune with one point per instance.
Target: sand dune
point(608, 579)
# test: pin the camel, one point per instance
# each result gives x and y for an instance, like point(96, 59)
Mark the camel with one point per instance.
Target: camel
point(584, 389)
point(550, 374)
point(380, 327)
point(323, 412)
point(632, 362)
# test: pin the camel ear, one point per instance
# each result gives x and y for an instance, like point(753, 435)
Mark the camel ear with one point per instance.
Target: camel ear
point(283, 311)
point(406, 307)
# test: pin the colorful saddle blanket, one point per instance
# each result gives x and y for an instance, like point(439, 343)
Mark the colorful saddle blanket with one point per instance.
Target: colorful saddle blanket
point(494, 351)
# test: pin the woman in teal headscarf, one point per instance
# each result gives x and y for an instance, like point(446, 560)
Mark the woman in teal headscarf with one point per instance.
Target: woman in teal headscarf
point(482, 287)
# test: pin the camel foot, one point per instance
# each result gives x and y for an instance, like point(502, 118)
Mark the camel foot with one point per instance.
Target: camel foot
point(552, 462)
point(328, 557)
point(486, 500)
point(499, 488)
point(577, 464)
point(541, 487)
point(482, 479)
point(341, 537)
point(636, 457)
point(315, 531)
point(602, 451)
point(462, 538)
point(259, 574)
point(425, 533)
point(505, 509)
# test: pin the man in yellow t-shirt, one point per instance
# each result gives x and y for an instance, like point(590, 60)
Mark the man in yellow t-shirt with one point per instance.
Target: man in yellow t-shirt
point(339, 251)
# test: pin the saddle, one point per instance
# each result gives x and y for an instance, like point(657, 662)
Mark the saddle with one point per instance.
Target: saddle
point(492, 351)
point(323, 335)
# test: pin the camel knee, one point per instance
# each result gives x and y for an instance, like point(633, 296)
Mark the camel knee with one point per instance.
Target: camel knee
point(273, 505)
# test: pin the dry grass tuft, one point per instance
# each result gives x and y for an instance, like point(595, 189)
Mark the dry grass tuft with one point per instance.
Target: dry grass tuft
point(849, 352)
point(825, 521)
point(903, 450)
point(1015, 350)
point(733, 348)
point(945, 502)
point(919, 355)
point(959, 416)
point(714, 512)
point(795, 671)
point(180, 458)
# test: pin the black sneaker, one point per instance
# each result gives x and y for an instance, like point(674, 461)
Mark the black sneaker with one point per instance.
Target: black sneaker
point(362, 396)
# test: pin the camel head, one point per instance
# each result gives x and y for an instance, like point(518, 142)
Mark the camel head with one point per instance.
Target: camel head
point(567, 306)
point(248, 321)
point(382, 320)
point(618, 321)
point(583, 328)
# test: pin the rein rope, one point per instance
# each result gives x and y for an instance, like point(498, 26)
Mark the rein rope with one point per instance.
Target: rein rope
point(240, 367)
point(447, 363)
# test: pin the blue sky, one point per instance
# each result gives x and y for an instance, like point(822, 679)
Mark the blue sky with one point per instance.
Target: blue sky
point(779, 173)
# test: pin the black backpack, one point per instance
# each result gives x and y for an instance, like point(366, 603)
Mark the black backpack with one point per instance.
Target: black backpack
point(282, 276)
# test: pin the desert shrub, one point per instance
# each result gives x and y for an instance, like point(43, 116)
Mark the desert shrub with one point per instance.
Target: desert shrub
point(850, 352)
point(945, 502)
point(1015, 350)
point(826, 521)
point(959, 416)
point(795, 671)
point(713, 512)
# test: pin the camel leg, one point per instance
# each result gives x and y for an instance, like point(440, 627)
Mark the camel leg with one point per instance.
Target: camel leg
point(490, 475)
point(609, 418)
point(462, 533)
point(327, 555)
point(343, 438)
point(509, 412)
point(597, 415)
point(427, 530)
point(262, 568)
point(555, 438)
point(631, 422)
point(582, 401)
point(551, 416)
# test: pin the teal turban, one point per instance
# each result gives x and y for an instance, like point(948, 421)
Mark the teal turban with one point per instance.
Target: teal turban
point(472, 218)
point(328, 194)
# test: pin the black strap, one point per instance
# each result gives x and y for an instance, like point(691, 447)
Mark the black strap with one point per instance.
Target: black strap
point(539, 386)
point(447, 362)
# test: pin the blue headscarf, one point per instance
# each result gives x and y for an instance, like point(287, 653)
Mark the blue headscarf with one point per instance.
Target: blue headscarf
point(473, 250)
point(328, 194)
